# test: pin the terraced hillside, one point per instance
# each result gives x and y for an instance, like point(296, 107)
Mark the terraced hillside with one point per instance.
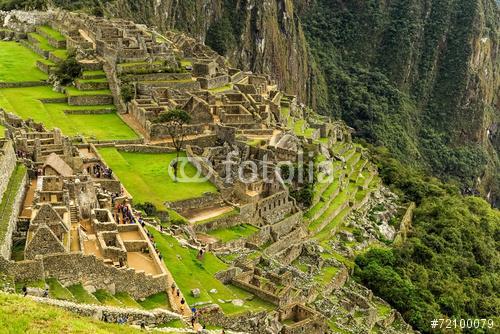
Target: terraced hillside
point(85, 110)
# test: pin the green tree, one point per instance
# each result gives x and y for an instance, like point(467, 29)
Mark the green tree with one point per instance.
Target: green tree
point(175, 121)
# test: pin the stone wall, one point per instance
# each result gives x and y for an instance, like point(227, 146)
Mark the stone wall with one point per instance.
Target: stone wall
point(134, 316)
point(6, 240)
point(224, 222)
point(77, 268)
point(286, 241)
point(89, 100)
point(22, 84)
point(205, 201)
point(25, 271)
point(145, 149)
point(7, 163)
point(204, 168)
point(212, 83)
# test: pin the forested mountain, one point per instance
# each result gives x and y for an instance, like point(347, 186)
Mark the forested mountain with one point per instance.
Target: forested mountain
point(419, 77)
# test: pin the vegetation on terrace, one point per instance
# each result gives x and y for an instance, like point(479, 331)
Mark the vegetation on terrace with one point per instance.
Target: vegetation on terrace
point(25, 102)
point(16, 59)
point(233, 233)
point(7, 203)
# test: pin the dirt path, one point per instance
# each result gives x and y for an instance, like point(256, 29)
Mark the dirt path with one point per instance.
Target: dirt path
point(210, 213)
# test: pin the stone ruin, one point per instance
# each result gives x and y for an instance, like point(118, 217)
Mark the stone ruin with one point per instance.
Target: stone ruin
point(70, 224)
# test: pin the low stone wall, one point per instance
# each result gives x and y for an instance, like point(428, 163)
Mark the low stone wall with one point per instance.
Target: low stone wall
point(205, 201)
point(145, 149)
point(286, 241)
point(90, 100)
point(212, 83)
point(224, 222)
point(90, 112)
point(264, 295)
point(91, 85)
point(45, 68)
point(134, 316)
point(110, 185)
point(22, 84)
point(25, 271)
point(54, 58)
point(55, 100)
point(163, 76)
point(161, 131)
point(7, 163)
point(35, 48)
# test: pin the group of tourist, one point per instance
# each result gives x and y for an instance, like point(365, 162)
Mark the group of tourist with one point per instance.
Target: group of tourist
point(123, 214)
point(99, 171)
point(21, 154)
point(152, 239)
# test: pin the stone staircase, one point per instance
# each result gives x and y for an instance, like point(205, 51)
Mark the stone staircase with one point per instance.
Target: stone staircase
point(73, 214)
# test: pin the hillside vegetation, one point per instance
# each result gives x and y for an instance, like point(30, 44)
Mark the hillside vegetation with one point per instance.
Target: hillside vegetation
point(449, 266)
point(22, 315)
point(412, 76)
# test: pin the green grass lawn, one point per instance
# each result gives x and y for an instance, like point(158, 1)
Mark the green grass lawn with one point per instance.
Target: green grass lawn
point(189, 273)
point(18, 63)
point(146, 177)
point(26, 103)
point(106, 298)
point(57, 291)
point(22, 315)
point(126, 300)
point(159, 300)
point(72, 91)
point(43, 43)
point(233, 233)
point(52, 33)
point(81, 295)
point(60, 53)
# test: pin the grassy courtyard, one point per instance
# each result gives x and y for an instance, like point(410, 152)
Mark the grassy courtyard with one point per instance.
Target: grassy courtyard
point(25, 102)
point(190, 273)
point(147, 179)
point(234, 232)
point(18, 63)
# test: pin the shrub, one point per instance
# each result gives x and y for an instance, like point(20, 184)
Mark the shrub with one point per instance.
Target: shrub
point(68, 70)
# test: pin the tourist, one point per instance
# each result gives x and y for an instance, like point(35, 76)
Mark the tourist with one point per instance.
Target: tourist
point(193, 319)
point(46, 293)
point(143, 325)
point(178, 293)
point(25, 290)
point(173, 287)
point(182, 305)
